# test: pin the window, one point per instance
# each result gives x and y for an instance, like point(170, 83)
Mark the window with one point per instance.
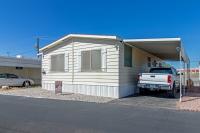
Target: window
point(154, 63)
point(57, 63)
point(127, 56)
point(149, 61)
point(12, 76)
point(91, 60)
point(161, 70)
point(2, 75)
point(19, 68)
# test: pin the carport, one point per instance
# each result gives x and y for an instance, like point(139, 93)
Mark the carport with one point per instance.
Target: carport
point(168, 49)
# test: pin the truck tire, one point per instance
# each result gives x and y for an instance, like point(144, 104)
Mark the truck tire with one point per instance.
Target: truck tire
point(141, 91)
point(173, 93)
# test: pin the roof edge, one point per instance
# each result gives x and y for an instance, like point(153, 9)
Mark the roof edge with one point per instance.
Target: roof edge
point(152, 40)
point(79, 36)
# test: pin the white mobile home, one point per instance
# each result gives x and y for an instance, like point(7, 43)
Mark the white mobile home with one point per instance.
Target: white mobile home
point(94, 65)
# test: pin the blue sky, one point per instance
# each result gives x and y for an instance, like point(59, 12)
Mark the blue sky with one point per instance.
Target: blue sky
point(22, 20)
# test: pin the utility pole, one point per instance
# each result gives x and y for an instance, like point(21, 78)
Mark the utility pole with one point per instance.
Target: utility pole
point(37, 45)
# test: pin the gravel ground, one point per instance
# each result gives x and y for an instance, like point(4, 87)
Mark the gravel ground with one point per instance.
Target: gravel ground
point(190, 102)
point(37, 92)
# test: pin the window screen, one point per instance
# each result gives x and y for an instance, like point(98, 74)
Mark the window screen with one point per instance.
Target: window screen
point(96, 60)
point(85, 60)
point(127, 56)
point(91, 60)
point(57, 63)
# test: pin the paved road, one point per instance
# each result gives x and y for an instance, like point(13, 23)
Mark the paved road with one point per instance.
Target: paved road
point(27, 115)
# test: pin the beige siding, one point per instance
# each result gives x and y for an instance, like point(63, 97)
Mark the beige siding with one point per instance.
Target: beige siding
point(128, 75)
point(109, 77)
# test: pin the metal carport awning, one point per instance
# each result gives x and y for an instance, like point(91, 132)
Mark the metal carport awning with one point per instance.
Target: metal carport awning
point(169, 49)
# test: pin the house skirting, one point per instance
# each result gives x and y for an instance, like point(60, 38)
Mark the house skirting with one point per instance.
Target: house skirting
point(93, 90)
point(127, 90)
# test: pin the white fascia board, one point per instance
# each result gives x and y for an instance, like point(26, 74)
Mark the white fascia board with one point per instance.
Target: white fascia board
point(80, 36)
point(152, 40)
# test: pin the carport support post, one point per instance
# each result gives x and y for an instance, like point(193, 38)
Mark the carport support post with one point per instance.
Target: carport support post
point(180, 54)
point(184, 79)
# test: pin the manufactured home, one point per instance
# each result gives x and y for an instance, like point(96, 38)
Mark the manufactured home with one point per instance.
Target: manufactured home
point(22, 67)
point(102, 65)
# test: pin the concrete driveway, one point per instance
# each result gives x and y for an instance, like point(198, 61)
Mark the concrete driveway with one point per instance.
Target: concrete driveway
point(150, 100)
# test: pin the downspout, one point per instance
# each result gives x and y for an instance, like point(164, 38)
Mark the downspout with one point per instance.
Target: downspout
point(72, 62)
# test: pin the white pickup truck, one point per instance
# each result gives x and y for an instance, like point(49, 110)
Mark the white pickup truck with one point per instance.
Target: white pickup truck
point(159, 79)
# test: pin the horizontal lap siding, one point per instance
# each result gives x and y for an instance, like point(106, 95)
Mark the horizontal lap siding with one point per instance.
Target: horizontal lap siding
point(51, 77)
point(106, 83)
point(128, 75)
point(110, 77)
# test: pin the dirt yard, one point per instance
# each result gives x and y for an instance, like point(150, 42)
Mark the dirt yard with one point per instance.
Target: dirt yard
point(191, 101)
point(37, 92)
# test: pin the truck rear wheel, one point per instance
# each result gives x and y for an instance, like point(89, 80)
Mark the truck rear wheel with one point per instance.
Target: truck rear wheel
point(141, 91)
point(173, 93)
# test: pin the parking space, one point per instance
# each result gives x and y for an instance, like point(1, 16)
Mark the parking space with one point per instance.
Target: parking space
point(150, 100)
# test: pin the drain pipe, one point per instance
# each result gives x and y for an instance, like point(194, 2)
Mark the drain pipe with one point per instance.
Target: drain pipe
point(72, 62)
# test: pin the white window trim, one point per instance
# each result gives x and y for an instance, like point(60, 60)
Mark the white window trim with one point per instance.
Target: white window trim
point(90, 49)
point(50, 71)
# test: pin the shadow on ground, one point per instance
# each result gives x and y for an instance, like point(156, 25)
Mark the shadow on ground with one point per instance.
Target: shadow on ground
point(149, 99)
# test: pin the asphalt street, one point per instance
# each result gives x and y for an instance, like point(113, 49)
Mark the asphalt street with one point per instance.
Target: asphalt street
point(29, 115)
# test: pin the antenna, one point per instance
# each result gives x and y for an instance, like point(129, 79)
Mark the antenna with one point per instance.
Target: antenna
point(37, 46)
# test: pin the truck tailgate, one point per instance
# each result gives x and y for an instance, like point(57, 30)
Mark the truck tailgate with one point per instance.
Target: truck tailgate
point(154, 78)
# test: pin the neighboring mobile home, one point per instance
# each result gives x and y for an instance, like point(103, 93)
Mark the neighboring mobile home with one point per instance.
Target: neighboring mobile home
point(94, 65)
point(23, 67)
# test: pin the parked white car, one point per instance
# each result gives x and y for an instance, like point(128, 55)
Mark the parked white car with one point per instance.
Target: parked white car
point(159, 79)
point(7, 79)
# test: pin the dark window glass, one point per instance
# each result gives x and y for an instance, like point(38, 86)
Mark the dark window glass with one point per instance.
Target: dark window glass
point(161, 70)
point(2, 75)
point(127, 56)
point(149, 61)
point(12, 76)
